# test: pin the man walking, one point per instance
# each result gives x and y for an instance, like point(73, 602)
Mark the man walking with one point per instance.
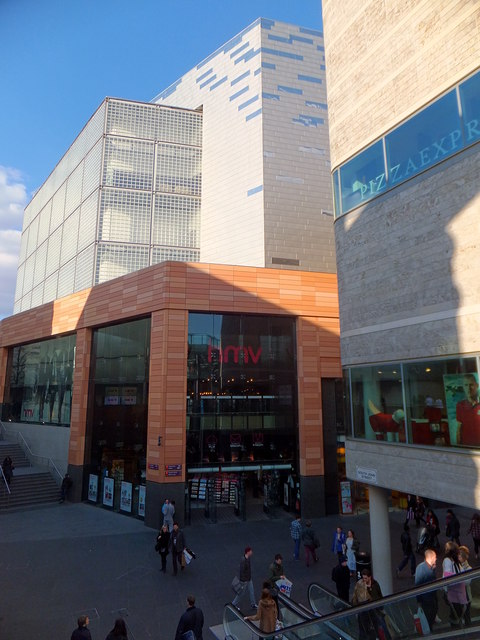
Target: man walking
point(296, 534)
point(177, 546)
point(190, 621)
point(408, 554)
point(245, 577)
point(341, 577)
point(168, 511)
point(81, 632)
point(424, 574)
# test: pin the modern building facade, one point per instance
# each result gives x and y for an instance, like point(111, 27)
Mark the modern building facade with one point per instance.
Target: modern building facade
point(125, 195)
point(405, 160)
point(265, 148)
point(181, 377)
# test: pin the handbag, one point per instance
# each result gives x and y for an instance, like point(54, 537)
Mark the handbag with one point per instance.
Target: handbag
point(236, 585)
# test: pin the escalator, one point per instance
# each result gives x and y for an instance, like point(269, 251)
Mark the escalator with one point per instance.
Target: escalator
point(392, 617)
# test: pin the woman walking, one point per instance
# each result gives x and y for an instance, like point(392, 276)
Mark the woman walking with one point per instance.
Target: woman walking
point(352, 546)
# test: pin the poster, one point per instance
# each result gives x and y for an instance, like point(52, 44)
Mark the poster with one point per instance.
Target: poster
point(126, 497)
point(108, 492)
point(141, 501)
point(92, 488)
point(112, 396)
point(129, 395)
point(346, 496)
point(456, 388)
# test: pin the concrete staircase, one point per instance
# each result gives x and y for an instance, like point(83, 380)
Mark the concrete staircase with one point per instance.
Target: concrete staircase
point(29, 486)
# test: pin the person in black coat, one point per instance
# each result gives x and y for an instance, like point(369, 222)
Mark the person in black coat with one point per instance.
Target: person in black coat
point(452, 527)
point(81, 632)
point(8, 468)
point(341, 577)
point(177, 546)
point(191, 620)
point(119, 631)
point(163, 541)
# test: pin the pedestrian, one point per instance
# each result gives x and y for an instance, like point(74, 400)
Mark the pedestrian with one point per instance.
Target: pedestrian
point(163, 543)
point(276, 571)
point(8, 468)
point(81, 632)
point(419, 510)
point(168, 511)
point(177, 547)
point(245, 578)
point(432, 524)
point(341, 577)
point(411, 504)
point(474, 529)
point(65, 487)
point(338, 543)
point(452, 527)
point(267, 613)
point(463, 555)
point(367, 590)
point(296, 534)
point(191, 620)
point(408, 555)
point(456, 594)
point(119, 631)
point(310, 543)
point(425, 573)
point(352, 545)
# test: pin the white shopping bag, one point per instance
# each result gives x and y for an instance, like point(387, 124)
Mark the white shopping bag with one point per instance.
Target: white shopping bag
point(187, 556)
point(284, 586)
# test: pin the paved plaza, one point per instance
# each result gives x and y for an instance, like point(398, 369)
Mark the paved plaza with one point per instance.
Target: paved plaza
point(61, 561)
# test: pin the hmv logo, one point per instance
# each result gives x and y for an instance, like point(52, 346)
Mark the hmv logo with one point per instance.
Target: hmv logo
point(236, 354)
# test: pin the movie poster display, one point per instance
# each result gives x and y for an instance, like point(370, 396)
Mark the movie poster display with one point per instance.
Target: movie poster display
point(108, 489)
point(141, 501)
point(126, 497)
point(92, 487)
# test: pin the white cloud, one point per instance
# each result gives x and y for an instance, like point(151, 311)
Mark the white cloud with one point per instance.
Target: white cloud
point(13, 198)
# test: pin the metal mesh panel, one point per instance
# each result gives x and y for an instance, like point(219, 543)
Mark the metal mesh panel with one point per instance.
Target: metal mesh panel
point(91, 171)
point(54, 248)
point(74, 190)
point(50, 288)
point(161, 254)
point(184, 127)
point(19, 285)
point(125, 216)
point(58, 208)
point(37, 295)
point(44, 223)
point(17, 307)
point(176, 221)
point(40, 264)
point(70, 237)
point(32, 237)
point(128, 164)
point(28, 274)
point(23, 245)
point(87, 229)
point(25, 303)
point(66, 277)
point(179, 169)
point(114, 260)
point(84, 269)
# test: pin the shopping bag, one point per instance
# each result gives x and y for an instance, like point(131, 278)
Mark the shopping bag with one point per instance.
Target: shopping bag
point(187, 556)
point(278, 629)
point(237, 586)
point(188, 635)
point(421, 622)
point(284, 586)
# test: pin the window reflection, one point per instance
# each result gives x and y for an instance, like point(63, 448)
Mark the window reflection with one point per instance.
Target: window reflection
point(470, 98)
point(363, 177)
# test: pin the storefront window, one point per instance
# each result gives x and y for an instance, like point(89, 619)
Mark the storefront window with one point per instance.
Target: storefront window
point(363, 177)
point(470, 97)
point(39, 382)
point(241, 396)
point(118, 403)
point(377, 403)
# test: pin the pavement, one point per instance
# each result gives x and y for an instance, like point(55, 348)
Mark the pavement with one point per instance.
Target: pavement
point(61, 561)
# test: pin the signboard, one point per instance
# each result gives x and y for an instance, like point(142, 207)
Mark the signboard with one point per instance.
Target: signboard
point(92, 488)
point(367, 475)
point(108, 492)
point(173, 467)
point(126, 497)
point(141, 501)
point(172, 472)
point(346, 496)
point(112, 396)
point(129, 395)
point(153, 466)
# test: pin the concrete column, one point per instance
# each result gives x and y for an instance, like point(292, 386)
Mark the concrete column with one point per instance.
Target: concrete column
point(380, 537)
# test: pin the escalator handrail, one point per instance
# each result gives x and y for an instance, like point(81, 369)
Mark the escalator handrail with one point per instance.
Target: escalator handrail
point(295, 606)
point(368, 606)
point(330, 593)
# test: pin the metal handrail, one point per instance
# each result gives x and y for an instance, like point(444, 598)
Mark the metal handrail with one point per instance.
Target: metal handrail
point(5, 480)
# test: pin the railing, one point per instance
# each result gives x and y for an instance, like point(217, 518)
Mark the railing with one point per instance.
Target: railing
point(5, 480)
point(43, 461)
point(433, 606)
point(323, 601)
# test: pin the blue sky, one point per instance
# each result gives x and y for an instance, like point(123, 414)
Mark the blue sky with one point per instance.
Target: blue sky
point(60, 58)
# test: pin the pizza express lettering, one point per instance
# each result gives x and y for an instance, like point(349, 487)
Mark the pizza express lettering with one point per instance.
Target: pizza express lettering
point(234, 354)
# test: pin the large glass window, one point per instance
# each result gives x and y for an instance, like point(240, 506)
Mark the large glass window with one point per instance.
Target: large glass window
point(241, 396)
point(39, 382)
point(470, 97)
point(117, 424)
point(363, 177)
point(426, 139)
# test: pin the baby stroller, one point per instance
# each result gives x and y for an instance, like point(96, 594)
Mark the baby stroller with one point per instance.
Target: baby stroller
point(426, 539)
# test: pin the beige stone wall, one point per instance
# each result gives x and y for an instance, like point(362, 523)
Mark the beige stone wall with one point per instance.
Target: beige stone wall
point(387, 58)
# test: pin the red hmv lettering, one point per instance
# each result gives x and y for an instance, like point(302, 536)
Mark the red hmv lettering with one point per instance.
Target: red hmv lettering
point(223, 355)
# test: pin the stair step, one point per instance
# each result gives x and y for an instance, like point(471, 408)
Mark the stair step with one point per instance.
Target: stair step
point(29, 489)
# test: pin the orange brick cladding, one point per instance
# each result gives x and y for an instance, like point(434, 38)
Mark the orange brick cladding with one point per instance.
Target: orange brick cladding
point(167, 292)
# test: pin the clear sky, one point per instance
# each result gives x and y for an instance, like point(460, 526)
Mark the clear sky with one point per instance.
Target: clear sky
point(60, 58)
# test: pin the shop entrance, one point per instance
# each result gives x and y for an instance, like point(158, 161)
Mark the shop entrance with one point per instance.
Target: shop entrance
point(228, 495)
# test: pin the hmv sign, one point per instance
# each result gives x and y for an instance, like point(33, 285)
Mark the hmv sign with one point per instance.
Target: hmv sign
point(234, 354)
